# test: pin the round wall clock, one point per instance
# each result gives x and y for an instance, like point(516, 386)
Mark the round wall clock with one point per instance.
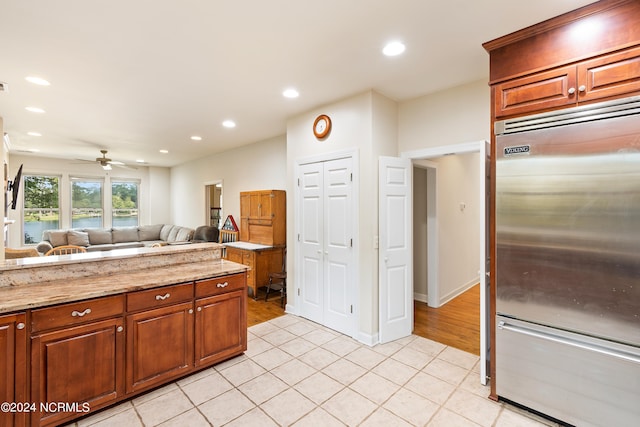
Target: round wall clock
point(322, 126)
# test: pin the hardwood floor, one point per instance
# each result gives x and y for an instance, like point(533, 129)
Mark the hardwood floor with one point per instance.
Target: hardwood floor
point(456, 323)
point(259, 311)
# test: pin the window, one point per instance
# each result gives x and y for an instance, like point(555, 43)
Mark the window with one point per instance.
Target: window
point(41, 206)
point(124, 205)
point(86, 203)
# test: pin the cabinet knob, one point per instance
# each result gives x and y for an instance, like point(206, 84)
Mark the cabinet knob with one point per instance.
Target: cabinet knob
point(191, 311)
point(20, 325)
point(75, 313)
point(199, 308)
point(163, 297)
point(119, 329)
point(582, 88)
point(571, 90)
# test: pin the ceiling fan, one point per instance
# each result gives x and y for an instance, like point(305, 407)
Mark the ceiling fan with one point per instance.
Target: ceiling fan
point(106, 162)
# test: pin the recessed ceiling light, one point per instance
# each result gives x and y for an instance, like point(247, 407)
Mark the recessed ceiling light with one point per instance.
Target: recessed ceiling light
point(164, 151)
point(196, 138)
point(229, 124)
point(34, 134)
point(140, 161)
point(37, 80)
point(393, 48)
point(34, 109)
point(290, 93)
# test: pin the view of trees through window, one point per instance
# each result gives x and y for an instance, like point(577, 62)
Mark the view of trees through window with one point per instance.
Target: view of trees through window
point(86, 203)
point(124, 203)
point(41, 206)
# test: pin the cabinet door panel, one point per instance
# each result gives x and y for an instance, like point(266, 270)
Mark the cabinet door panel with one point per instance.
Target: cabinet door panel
point(13, 371)
point(610, 76)
point(221, 327)
point(82, 364)
point(538, 92)
point(159, 345)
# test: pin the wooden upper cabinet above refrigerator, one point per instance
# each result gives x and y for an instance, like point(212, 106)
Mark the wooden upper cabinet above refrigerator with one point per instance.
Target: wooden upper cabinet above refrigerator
point(590, 54)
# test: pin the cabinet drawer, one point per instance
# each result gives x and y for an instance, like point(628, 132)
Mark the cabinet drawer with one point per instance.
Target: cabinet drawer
point(76, 313)
point(159, 297)
point(220, 285)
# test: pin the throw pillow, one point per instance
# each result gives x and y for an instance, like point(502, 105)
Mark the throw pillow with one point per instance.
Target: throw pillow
point(184, 234)
point(58, 237)
point(78, 238)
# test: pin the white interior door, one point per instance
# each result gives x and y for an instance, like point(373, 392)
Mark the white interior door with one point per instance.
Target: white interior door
point(311, 214)
point(338, 248)
point(396, 248)
point(327, 287)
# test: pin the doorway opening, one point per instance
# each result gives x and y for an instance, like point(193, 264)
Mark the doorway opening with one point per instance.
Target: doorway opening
point(450, 245)
point(213, 204)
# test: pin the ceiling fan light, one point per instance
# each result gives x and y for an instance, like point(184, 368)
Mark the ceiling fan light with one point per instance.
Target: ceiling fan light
point(106, 167)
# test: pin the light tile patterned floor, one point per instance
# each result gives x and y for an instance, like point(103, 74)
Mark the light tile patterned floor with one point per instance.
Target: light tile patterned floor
point(298, 373)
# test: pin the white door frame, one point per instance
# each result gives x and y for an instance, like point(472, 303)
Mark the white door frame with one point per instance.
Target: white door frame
point(293, 306)
point(464, 148)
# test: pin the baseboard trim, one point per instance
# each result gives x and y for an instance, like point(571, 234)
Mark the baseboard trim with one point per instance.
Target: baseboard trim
point(460, 290)
point(420, 297)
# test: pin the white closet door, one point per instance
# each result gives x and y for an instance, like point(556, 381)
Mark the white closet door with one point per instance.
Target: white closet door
point(338, 246)
point(312, 241)
point(327, 284)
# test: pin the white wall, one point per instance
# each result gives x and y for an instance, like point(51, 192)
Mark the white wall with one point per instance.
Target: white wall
point(453, 116)
point(420, 249)
point(366, 123)
point(258, 166)
point(458, 231)
point(159, 196)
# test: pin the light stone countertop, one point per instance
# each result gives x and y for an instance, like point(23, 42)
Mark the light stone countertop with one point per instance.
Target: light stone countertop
point(92, 282)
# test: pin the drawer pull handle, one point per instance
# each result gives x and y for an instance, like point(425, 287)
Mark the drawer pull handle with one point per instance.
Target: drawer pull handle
point(163, 297)
point(75, 313)
point(223, 285)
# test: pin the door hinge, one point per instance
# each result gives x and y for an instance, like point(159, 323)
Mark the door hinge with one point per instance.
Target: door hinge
point(351, 177)
point(350, 242)
point(298, 182)
point(298, 237)
point(298, 291)
point(351, 308)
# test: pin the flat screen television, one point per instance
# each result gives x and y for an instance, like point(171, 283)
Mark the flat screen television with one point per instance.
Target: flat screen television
point(14, 187)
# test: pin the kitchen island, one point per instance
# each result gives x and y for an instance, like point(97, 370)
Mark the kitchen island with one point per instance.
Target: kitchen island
point(81, 332)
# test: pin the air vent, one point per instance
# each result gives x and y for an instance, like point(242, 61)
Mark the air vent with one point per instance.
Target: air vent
point(4, 87)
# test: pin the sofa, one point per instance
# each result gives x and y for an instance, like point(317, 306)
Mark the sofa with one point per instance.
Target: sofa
point(106, 239)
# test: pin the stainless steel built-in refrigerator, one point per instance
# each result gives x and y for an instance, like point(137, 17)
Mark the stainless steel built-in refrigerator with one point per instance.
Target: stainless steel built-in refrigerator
point(568, 263)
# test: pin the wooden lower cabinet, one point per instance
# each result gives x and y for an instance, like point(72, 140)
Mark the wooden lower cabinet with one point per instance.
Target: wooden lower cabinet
point(261, 262)
point(90, 354)
point(77, 366)
point(13, 368)
point(159, 346)
point(219, 335)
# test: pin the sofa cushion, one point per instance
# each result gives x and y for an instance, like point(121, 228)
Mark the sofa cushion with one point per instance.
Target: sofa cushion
point(99, 236)
point(58, 237)
point(184, 234)
point(124, 234)
point(164, 232)
point(78, 238)
point(149, 232)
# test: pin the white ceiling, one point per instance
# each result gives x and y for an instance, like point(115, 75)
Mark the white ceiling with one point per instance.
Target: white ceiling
point(137, 76)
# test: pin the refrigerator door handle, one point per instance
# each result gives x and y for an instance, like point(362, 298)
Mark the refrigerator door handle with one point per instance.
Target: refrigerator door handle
point(568, 341)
